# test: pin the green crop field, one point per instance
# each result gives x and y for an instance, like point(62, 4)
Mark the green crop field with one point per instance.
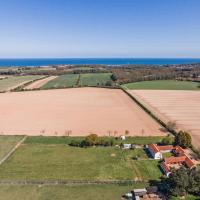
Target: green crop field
point(94, 79)
point(7, 143)
point(12, 81)
point(80, 192)
point(162, 85)
point(68, 80)
point(58, 162)
point(71, 80)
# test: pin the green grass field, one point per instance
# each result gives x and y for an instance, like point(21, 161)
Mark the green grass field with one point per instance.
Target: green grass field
point(71, 80)
point(68, 80)
point(6, 84)
point(94, 79)
point(7, 143)
point(162, 85)
point(59, 162)
point(81, 192)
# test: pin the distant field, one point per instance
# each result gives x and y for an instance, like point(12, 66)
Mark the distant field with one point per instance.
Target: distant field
point(58, 162)
point(14, 81)
point(71, 80)
point(94, 79)
point(80, 192)
point(68, 80)
point(7, 143)
point(181, 107)
point(163, 85)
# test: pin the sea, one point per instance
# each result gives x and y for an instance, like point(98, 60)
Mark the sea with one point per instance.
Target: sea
point(24, 62)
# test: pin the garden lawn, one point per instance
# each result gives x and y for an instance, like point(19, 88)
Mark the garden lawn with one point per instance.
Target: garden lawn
point(95, 79)
point(81, 192)
point(60, 162)
point(12, 81)
point(7, 143)
point(162, 85)
point(67, 80)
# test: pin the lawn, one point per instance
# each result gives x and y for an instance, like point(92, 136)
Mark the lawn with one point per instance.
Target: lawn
point(12, 81)
point(7, 143)
point(67, 80)
point(94, 79)
point(81, 192)
point(59, 162)
point(162, 85)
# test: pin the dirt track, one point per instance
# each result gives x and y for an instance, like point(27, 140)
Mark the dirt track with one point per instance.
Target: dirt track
point(81, 110)
point(39, 83)
point(183, 107)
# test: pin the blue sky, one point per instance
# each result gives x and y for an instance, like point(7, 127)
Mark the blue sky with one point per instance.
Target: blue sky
point(99, 28)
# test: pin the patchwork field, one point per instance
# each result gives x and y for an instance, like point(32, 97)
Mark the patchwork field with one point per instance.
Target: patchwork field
point(94, 79)
point(80, 111)
point(39, 83)
point(72, 80)
point(68, 80)
point(163, 85)
point(15, 81)
point(180, 106)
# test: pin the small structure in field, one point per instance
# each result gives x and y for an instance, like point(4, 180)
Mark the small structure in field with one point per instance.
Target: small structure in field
point(150, 193)
point(127, 146)
point(122, 137)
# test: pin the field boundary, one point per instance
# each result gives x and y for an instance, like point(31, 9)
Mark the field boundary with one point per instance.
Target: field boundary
point(163, 124)
point(68, 182)
point(12, 150)
point(21, 87)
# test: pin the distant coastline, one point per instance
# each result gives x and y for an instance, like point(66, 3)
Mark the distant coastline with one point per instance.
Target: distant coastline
point(95, 61)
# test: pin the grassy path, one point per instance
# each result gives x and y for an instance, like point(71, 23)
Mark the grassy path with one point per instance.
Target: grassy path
point(12, 150)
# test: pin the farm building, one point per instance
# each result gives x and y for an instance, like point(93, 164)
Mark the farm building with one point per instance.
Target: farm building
point(157, 151)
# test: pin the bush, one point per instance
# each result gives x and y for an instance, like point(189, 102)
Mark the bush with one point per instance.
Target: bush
point(108, 83)
point(183, 139)
point(75, 143)
point(167, 141)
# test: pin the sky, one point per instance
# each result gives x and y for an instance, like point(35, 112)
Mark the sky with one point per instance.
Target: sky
point(99, 28)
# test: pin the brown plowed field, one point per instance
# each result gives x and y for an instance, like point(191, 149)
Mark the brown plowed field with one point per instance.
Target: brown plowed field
point(183, 107)
point(39, 83)
point(79, 110)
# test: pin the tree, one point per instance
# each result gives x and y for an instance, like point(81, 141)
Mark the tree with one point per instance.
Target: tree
point(167, 140)
point(183, 139)
point(126, 132)
point(91, 140)
point(179, 182)
point(183, 181)
point(171, 125)
point(113, 77)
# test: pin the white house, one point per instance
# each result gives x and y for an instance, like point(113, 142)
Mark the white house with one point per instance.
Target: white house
point(155, 152)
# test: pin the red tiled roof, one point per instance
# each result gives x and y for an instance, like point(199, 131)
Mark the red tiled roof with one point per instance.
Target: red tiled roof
point(154, 148)
point(166, 147)
point(165, 167)
point(179, 150)
point(172, 159)
point(189, 162)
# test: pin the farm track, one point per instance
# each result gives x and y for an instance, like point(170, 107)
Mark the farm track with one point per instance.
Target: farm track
point(68, 182)
point(39, 83)
point(12, 150)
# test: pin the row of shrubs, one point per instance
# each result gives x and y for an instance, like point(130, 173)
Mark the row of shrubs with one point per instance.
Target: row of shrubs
point(93, 140)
